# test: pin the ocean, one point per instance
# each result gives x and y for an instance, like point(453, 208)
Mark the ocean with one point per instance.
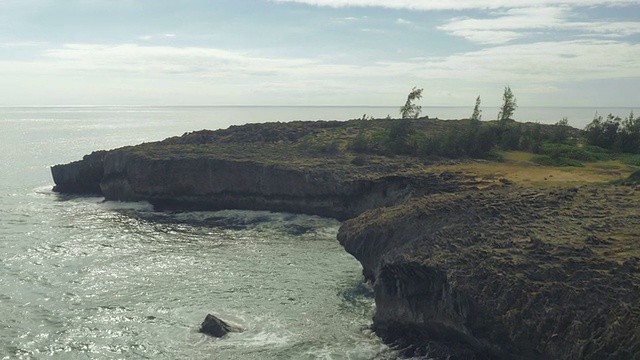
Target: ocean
point(82, 278)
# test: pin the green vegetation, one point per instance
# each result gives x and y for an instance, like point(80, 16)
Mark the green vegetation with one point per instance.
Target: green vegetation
point(411, 110)
point(556, 150)
point(370, 143)
point(476, 115)
point(456, 139)
point(509, 106)
point(629, 159)
point(614, 133)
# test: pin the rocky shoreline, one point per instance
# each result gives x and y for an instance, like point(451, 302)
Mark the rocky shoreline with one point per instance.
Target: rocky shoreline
point(218, 184)
point(514, 273)
point(462, 266)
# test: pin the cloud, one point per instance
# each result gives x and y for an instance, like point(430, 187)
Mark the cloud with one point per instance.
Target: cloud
point(167, 60)
point(153, 37)
point(507, 25)
point(194, 71)
point(403, 21)
point(541, 62)
point(617, 29)
point(536, 62)
point(456, 4)
point(348, 19)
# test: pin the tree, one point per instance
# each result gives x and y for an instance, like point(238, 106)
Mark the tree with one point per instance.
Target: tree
point(476, 111)
point(604, 132)
point(399, 133)
point(410, 110)
point(561, 131)
point(629, 137)
point(509, 106)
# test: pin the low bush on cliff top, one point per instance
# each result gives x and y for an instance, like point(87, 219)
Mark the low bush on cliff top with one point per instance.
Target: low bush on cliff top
point(568, 152)
point(629, 159)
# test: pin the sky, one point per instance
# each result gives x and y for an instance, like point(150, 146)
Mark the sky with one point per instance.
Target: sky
point(319, 52)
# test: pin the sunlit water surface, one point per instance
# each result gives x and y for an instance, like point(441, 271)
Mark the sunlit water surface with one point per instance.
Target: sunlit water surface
point(81, 278)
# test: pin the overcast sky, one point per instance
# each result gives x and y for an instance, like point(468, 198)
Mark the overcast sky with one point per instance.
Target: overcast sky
point(319, 52)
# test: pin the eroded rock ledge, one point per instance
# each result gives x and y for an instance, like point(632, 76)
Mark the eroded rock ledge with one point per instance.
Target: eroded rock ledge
point(253, 170)
point(216, 184)
point(505, 274)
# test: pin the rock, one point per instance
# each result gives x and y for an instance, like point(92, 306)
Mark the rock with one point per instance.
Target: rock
point(594, 240)
point(634, 177)
point(80, 177)
point(217, 327)
point(500, 296)
point(630, 265)
point(207, 181)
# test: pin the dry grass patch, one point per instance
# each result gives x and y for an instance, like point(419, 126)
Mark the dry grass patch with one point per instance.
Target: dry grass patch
point(518, 168)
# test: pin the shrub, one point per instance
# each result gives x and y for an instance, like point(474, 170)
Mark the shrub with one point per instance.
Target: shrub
point(312, 144)
point(360, 143)
point(630, 159)
point(493, 156)
point(567, 151)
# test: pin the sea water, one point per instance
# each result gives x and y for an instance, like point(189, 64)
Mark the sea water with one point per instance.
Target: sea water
point(85, 279)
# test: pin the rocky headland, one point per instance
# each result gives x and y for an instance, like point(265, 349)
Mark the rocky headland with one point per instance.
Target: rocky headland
point(468, 259)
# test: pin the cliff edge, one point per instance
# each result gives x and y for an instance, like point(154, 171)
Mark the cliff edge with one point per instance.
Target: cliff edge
point(506, 274)
point(464, 264)
point(288, 167)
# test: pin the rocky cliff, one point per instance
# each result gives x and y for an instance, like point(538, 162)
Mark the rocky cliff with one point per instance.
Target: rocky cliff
point(463, 265)
point(210, 183)
point(80, 177)
point(505, 274)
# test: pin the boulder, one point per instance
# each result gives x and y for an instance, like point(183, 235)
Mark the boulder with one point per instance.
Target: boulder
point(214, 326)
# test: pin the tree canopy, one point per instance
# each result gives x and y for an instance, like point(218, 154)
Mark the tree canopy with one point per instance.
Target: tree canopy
point(509, 105)
point(411, 110)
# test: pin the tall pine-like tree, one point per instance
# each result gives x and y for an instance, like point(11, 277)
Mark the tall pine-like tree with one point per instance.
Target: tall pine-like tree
point(476, 110)
point(509, 106)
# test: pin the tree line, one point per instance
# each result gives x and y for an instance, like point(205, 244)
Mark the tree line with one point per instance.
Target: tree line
point(473, 138)
point(614, 133)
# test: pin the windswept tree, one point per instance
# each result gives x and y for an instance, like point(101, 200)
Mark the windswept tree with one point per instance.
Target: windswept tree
point(411, 110)
point(509, 106)
point(560, 132)
point(476, 111)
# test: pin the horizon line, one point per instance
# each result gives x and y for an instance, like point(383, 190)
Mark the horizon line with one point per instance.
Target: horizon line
point(305, 106)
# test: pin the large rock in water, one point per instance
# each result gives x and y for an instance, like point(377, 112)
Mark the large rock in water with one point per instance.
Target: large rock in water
point(217, 327)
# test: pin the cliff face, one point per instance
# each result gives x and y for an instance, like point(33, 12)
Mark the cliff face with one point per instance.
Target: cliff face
point(80, 177)
point(210, 183)
point(505, 274)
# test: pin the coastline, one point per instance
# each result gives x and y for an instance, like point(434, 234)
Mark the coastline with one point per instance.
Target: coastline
point(396, 199)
